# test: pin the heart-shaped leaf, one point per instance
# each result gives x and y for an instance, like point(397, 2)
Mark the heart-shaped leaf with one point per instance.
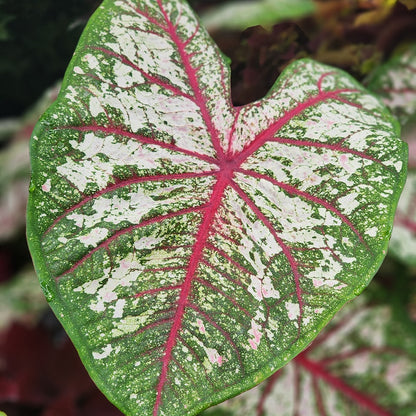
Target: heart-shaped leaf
point(363, 363)
point(191, 248)
point(395, 82)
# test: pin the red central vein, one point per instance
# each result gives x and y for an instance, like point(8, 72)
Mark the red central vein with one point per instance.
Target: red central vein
point(294, 191)
point(146, 15)
point(286, 249)
point(191, 73)
point(194, 261)
point(141, 139)
point(319, 371)
point(267, 134)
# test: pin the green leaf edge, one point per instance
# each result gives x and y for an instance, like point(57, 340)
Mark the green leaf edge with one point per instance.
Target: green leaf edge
point(75, 333)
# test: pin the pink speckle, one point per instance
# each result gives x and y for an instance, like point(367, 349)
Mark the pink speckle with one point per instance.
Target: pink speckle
point(46, 187)
point(253, 345)
point(109, 297)
point(214, 357)
point(124, 264)
point(85, 238)
point(317, 282)
point(256, 334)
point(326, 158)
point(313, 179)
point(345, 163)
point(259, 293)
point(201, 326)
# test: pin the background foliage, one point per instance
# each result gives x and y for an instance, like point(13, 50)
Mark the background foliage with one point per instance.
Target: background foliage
point(44, 377)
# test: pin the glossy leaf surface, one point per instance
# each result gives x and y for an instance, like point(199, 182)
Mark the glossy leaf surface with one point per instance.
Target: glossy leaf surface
point(395, 82)
point(191, 248)
point(362, 364)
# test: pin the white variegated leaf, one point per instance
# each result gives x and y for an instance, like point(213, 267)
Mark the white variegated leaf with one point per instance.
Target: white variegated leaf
point(395, 82)
point(191, 248)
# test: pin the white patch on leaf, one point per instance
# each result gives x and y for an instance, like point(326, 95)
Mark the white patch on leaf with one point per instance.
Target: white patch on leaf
point(92, 238)
point(147, 243)
point(95, 106)
point(118, 308)
point(201, 326)
point(256, 335)
point(349, 203)
point(106, 351)
point(46, 187)
point(372, 232)
point(214, 357)
point(78, 70)
point(293, 310)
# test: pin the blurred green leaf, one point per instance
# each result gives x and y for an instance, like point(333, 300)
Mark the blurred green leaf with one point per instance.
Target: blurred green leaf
point(242, 14)
point(21, 299)
point(15, 165)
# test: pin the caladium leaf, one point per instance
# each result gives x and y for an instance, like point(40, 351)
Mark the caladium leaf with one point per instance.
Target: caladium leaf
point(191, 248)
point(21, 299)
point(363, 363)
point(395, 82)
point(242, 14)
point(15, 168)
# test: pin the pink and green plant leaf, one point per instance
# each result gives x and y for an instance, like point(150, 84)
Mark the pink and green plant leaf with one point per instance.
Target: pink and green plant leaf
point(395, 82)
point(363, 363)
point(15, 168)
point(191, 248)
